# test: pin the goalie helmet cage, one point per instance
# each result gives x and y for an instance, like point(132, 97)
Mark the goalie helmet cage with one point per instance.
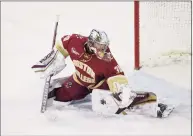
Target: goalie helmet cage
point(162, 32)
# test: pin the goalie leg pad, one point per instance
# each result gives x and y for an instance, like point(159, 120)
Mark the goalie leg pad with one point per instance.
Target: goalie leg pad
point(103, 102)
point(143, 98)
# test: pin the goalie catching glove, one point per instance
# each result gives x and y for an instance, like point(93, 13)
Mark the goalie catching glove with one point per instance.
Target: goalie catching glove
point(121, 90)
point(51, 64)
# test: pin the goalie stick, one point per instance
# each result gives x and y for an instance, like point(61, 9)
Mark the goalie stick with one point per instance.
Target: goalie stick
point(48, 79)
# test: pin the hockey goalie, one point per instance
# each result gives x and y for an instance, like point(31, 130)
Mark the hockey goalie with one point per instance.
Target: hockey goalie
point(96, 73)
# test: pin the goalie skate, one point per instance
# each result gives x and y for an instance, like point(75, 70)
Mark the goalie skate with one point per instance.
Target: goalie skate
point(164, 110)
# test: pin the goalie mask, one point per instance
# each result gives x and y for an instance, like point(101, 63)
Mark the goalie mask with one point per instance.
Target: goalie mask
point(98, 43)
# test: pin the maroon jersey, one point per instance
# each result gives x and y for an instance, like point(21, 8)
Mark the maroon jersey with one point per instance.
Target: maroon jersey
point(90, 70)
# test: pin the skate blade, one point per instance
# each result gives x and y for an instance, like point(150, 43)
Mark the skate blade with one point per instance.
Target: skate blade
point(167, 112)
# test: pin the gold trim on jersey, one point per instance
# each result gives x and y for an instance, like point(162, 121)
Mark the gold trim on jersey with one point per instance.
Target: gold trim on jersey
point(97, 85)
point(90, 86)
point(63, 51)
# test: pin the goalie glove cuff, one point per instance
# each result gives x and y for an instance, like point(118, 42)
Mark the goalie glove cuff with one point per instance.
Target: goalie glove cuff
point(119, 87)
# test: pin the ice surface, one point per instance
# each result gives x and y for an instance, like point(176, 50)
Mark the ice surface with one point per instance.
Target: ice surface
point(27, 30)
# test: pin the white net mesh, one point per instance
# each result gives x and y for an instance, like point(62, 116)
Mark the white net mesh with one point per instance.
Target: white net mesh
point(165, 33)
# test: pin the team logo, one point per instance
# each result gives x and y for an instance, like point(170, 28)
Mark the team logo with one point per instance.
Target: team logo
point(86, 57)
point(68, 84)
point(73, 50)
point(103, 102)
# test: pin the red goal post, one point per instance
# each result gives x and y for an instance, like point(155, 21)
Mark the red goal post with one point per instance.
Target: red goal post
point(162, 29)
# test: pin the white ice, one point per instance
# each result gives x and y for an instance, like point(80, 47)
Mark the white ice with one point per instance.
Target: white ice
point(26, 36)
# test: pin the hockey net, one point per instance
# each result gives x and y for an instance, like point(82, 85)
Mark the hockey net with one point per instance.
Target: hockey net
point(162, 33)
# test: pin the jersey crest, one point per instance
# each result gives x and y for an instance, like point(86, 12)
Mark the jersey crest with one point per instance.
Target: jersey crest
point(85, 57)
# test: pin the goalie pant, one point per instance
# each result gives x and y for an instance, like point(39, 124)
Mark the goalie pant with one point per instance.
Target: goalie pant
point(71, 90)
